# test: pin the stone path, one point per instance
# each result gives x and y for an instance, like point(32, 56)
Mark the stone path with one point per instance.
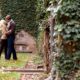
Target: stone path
point(31, 75)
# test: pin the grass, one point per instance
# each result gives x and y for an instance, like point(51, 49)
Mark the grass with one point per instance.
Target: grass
point(23, 58)
point(9, 76)
point(38, 59)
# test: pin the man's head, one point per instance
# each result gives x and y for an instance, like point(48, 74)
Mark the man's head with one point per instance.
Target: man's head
point(8, 18)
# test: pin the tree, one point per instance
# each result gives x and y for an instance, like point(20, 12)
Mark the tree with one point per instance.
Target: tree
point(23, 12)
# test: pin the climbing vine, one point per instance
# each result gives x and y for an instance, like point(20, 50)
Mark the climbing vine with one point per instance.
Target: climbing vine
point(67, 28)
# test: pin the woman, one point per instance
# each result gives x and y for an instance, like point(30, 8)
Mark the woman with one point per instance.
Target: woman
point(3, 44)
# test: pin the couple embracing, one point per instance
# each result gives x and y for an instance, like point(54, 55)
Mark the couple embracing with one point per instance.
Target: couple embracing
point(7, 28)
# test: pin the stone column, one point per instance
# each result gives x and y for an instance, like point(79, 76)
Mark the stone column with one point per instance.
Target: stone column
point(51, 23)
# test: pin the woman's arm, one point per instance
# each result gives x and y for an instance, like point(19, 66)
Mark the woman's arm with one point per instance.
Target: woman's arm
point(4, 29)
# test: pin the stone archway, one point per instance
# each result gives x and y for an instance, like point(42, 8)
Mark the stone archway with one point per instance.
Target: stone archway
point(24, 42)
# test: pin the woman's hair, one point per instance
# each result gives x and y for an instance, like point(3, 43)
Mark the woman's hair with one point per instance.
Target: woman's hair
point(3, 22)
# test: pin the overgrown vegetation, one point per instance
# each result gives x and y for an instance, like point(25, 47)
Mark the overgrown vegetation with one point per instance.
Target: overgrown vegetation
point(67, 29)
point(23, 12)
point(9, 76)
point(23, 58)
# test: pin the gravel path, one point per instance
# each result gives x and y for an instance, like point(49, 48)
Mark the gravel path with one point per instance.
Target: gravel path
point(31, 75)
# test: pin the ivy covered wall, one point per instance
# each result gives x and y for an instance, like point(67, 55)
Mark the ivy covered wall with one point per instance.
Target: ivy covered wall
point(23, 12)
point(66, 44)
point(67, 30)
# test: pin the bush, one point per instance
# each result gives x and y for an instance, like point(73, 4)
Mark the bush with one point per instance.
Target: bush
point(23, 12)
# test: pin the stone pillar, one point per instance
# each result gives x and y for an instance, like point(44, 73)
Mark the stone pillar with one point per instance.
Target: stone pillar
point(51, 23)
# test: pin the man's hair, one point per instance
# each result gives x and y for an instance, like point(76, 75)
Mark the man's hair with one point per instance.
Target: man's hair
point(8, 17)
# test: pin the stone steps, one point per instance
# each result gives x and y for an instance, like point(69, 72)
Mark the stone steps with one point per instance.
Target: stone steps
point(24, 70)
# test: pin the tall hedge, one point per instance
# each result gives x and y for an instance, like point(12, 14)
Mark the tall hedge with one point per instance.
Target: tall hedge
point(23, 12)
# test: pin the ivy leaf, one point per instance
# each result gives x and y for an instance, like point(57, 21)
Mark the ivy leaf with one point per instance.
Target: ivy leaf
point(59, 27)
point(67, 36)
point(78, 36)
point(77, 25)
point(73, 29)
point(68, 30)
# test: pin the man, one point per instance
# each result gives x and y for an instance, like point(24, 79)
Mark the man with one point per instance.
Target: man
point(11, 37)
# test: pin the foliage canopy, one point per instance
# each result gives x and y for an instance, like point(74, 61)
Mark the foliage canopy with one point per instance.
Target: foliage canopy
point(23, 12)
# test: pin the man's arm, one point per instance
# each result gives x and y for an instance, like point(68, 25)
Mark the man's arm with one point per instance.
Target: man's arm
point(11, 29)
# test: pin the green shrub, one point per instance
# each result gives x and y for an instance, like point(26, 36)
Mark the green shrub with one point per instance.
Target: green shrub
point(68, 26)
point(23, 12)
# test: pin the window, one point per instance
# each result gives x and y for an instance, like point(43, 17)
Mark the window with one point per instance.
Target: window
point(21, 35)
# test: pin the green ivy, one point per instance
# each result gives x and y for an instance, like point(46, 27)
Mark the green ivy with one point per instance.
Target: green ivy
point(68, 26)
point(69, 17)
point(67, 63)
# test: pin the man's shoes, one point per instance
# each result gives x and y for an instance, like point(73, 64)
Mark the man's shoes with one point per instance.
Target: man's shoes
point(7, 59)
point(15, 59)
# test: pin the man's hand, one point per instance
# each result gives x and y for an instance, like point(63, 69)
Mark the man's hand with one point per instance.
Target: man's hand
point(8, 32)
